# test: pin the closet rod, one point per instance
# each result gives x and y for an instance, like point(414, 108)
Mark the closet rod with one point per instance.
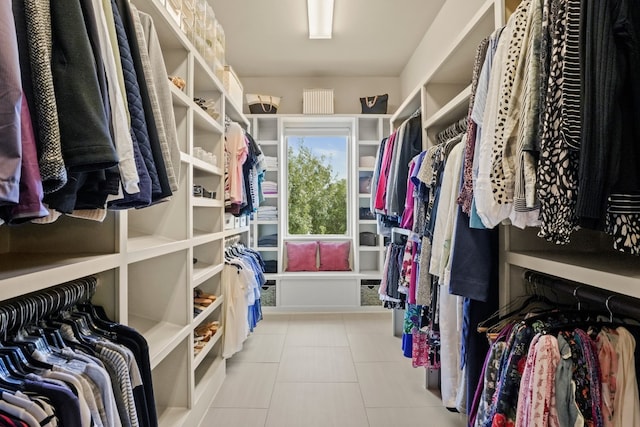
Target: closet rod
point(29, 309)
point(607, 301)
point(230, 241)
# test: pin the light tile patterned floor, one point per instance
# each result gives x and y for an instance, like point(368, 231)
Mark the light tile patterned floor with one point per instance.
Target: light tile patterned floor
point(325, 370)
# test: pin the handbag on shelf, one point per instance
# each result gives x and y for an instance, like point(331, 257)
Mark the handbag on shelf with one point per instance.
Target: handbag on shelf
point(364, 184)
point(368, 238)
point(374, 104)
point(365, 213)
point(262, 104)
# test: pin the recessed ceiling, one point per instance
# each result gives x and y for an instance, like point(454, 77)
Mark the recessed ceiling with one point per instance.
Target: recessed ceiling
point(269, 38)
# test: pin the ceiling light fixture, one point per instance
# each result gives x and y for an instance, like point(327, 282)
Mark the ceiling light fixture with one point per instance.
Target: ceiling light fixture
point(320, 13)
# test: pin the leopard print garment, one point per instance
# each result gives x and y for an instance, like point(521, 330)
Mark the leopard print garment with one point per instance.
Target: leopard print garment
point(557, 178)
point(517, 25)
point(466, 191)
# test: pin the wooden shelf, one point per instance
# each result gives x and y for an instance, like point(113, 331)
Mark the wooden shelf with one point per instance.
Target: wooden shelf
point(457, 64)
point(205, 79)
point(169, 32)
point(367, 222)
point(370, 274)
point(235, 112)
point(409, 106)
point(203, 202)
point(205, 272)
point(179, 97)
point(369, 143)
point(268, 143)
point(234, 231)
point(200, 318)
point(162, 337)
point(612, 271)
point(455, 109)
point(21, 273)
point(172, 416)
point(207, 348)
point(143, 246)
point(208, 380)
point(267, 222)
point(203, 166)
point(204, 122)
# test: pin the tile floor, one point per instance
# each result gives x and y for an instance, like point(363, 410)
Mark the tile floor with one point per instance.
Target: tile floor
point(325, 370)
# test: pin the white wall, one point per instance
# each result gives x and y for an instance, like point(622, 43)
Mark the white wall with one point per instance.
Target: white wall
point(346, 90)
point(451, 19)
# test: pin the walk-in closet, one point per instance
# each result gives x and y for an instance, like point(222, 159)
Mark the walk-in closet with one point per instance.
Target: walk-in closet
point(311, 213)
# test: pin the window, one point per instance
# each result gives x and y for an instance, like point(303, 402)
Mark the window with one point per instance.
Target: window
point(317, 184)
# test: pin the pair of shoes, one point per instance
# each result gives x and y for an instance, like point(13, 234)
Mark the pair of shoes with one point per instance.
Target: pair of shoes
point(205, 331)
point(203, 299)
point(200, 191)
point(209, 328)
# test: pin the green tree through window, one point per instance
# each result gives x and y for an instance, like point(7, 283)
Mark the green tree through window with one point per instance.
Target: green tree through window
point(317, 186)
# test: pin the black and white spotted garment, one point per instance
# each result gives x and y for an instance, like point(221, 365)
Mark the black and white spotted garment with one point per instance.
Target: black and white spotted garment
point(526, 207)
point(504, 119)
point(557, 177)
point(623, 222)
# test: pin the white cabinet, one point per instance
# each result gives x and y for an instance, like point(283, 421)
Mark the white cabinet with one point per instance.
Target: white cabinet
point(370, 132)
point(149, 261)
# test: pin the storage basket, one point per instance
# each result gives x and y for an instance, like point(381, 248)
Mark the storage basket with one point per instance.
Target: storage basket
point(229, 221)
point(365, 213)
point(368, 238)
point(232, 85)
point(369, 293)
point(367, 161)
point(364, 184)
point(317, 101)
point(268, 294)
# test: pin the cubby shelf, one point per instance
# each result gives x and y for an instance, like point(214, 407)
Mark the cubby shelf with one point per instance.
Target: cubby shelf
point(202, 273)
point(200, 318)
point(207, 348)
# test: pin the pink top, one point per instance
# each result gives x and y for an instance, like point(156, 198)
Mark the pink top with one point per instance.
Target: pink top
point(385, 165)
point(236, 146)
point(407, 215)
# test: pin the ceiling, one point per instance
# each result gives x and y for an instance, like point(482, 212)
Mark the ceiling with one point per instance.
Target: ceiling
point(268, 38)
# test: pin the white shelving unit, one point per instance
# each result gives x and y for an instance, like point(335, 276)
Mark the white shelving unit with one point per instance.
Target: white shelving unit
point(303, 290)
point(144, 259)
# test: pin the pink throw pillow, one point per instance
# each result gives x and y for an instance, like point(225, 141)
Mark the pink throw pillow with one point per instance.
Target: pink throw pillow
point(301, 256)
point(334, 256)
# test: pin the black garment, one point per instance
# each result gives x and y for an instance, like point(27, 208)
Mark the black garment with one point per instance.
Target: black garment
point(65, 402)
point(411, 146)
point(84, 190)
point(135, 342)
point(270, 266)
point(84, 128)
point(604, 35)
point(249, 164)
point(474, 261)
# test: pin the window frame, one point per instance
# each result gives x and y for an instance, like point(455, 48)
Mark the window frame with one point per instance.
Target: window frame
point(317, 127)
